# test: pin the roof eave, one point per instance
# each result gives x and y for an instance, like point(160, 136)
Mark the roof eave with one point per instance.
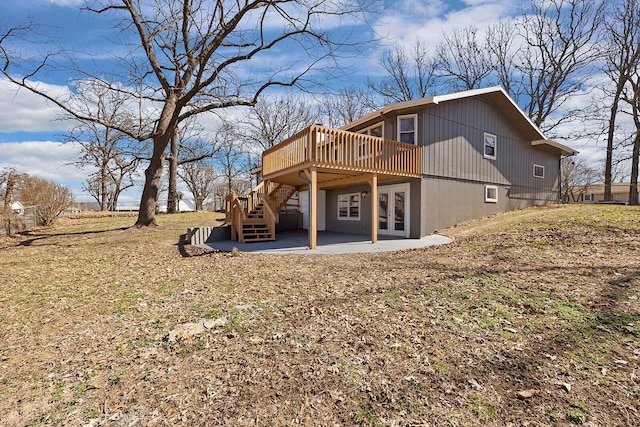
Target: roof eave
point(564, 150)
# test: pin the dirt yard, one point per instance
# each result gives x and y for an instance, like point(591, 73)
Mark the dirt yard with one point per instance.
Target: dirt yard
point(530, 318)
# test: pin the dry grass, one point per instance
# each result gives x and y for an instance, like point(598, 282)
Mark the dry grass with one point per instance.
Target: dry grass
point(528, 317)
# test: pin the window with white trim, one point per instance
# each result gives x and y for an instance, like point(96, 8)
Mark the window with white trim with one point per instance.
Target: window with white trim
point(587, 198)
point(490, 141)
point(376, 130)
point(349, 206)
point(491, 194)
point(538, 171)
point(408, 129)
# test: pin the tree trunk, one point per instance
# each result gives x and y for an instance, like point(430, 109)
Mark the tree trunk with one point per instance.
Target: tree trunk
point(608, 165)
point(116, 195)
point(166, 127)
point(172, 194)
point(633, 188)
point(153, 174)
point(103, 186)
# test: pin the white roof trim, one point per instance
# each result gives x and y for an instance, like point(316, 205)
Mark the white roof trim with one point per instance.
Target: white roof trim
point(564, 150)
point(467, 94)
point(483, 91)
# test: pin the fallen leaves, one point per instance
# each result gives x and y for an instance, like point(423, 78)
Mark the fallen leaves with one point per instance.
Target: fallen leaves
point(492, 329)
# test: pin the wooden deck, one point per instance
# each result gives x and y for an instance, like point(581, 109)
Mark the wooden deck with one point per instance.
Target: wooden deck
point(340, 158)
point(314, 159)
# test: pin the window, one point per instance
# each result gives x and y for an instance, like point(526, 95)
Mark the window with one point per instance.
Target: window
point(587, 198)
point(407, 131)
point(491, 194)
point(489, 146)
point(349, 206)
point(538, 171)
point(375, 130)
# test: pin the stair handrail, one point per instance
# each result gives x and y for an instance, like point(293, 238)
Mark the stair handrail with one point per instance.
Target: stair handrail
point(269, 215)
point(236, 216)
point(254, 198)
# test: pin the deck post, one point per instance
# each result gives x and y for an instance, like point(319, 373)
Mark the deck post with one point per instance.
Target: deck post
point(373, 182)
point(313, 220)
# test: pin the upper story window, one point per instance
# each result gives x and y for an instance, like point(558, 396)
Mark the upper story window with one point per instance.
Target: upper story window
point(364, 148)
point(490, 142)
point(375, 130)
point(538, 171)
point(407, 129)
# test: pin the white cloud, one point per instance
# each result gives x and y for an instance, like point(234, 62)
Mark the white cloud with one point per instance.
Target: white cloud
point(429, 20)
point(24, 111)
point(48, 160)
point(66, 3)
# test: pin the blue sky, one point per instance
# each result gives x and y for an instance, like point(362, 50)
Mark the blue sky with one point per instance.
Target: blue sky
point(30, 129)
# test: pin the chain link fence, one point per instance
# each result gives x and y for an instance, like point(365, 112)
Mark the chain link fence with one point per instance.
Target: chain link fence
point(13, 223)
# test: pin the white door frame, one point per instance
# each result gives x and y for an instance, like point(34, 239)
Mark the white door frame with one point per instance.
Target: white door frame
point(391, 190)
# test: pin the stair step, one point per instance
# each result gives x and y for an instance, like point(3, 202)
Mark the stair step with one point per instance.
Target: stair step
point(254, 226)
point(261, 239)
point(256, 233)
point(254, 221)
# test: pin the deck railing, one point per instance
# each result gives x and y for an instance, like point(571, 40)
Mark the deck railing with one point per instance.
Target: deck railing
point(236, 215)
point(238, 208)
point(332, 148)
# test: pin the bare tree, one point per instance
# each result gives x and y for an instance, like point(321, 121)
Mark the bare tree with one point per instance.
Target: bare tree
point(188, 145)
point(233, 160)
point(201, 178)
point(272, 120)
point(502, 46)
point(622, 57)
point(102, 146)
point(193, 52)
point(464, 59)
point(410, 76)
point(576, 177)
point(632, 97)
point(8, 180)
point(51, 199)
point(560, 38)
point(345, 106)
point(542, 61)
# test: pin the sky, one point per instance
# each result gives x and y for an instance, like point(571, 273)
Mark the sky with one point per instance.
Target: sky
point(32, 132)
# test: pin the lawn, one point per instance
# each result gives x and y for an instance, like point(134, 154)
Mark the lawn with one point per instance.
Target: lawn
point(528, 318)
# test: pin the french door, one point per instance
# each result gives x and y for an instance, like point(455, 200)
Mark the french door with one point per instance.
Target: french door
point(393, 210)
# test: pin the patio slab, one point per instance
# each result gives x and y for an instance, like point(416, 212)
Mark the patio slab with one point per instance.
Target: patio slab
point(328, 243)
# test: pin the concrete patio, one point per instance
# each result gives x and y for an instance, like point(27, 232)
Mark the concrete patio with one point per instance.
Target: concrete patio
point(328, 243)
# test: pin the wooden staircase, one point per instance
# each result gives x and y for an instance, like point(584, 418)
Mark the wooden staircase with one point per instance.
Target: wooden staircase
point(253, 218)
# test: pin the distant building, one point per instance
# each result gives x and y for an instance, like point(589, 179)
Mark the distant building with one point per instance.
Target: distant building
point(184, 205)
point(17, 208)
point(595, 193)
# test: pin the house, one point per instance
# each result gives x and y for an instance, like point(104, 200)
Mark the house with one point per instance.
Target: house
point(407, 170)
point(184, 205)
point(595, 193)
point(72, 210)
point(17, 208)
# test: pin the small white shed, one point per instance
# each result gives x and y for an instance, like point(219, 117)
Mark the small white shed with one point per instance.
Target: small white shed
point(17, 208)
